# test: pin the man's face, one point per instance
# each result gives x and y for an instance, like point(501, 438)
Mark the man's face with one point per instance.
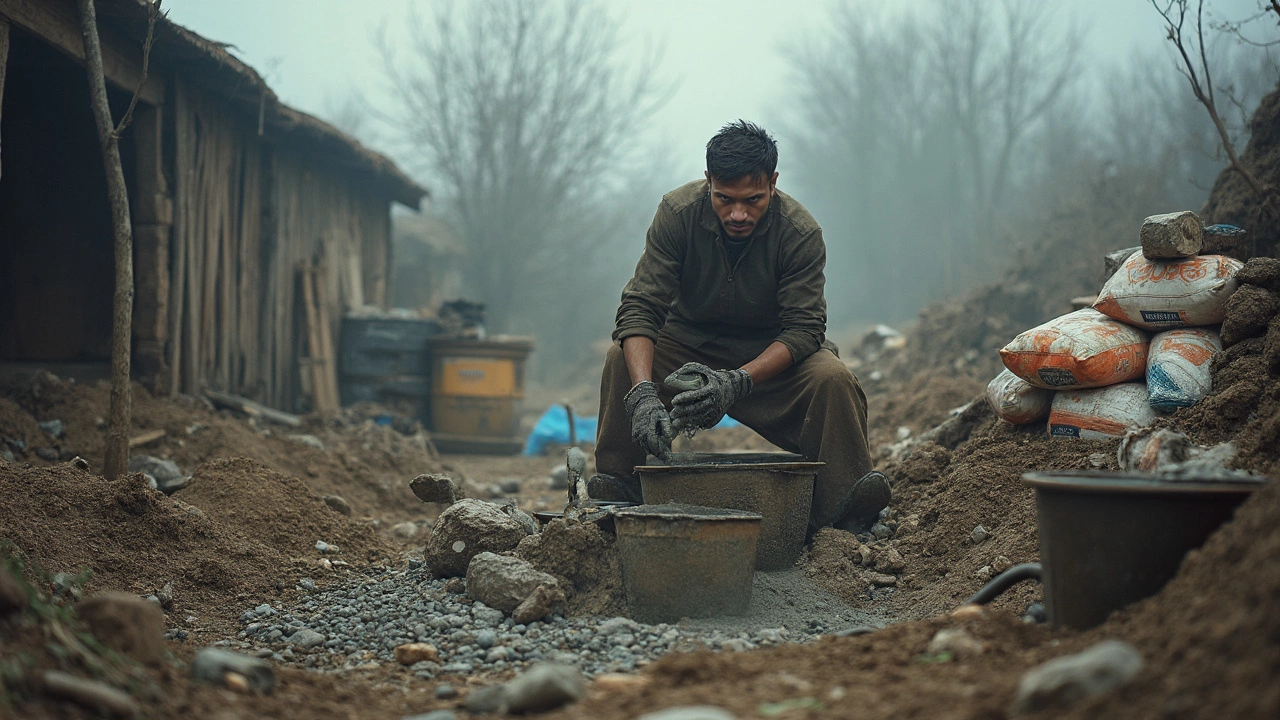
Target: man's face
point(742, 202)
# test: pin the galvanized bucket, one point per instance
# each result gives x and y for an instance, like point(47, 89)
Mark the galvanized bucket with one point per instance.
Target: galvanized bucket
point(1110, 539)
point(686, 561)
point(778, 486)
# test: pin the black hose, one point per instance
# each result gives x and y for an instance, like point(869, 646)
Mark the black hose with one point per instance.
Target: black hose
point(1006, 580)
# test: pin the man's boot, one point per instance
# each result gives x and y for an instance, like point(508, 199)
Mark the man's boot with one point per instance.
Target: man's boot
point(615, 489)
point(862, 507)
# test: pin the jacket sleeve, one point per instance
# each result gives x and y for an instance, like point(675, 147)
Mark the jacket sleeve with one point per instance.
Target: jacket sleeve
point(647, 297)
point(800, 294)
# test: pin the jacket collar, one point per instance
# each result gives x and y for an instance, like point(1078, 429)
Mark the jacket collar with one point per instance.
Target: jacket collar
point(712, 223)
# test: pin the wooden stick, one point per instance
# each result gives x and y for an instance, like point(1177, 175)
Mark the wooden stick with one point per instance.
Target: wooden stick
point(249, 407)
point(147, 438)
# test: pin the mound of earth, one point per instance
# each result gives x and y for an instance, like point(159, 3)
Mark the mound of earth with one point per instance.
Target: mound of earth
point(367, 463)
point(1233, 201)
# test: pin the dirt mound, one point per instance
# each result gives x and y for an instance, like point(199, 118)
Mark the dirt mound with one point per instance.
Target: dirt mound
point(1234, 202)
point(367, 463)
point(918, 404)
point(133, 539)
point(280, 511)
point(585, 561)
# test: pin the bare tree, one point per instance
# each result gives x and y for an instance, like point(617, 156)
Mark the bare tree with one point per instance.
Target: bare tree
point(517, 113)
point(117, 450)
point(1189, 41)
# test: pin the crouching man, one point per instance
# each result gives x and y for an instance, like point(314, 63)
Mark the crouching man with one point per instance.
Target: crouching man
point(728, 295)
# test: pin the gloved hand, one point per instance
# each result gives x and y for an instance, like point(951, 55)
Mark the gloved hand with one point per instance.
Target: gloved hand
point(651, 426)
point(708, 394)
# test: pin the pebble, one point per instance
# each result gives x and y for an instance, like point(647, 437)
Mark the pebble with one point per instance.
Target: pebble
point(325, 547)
point(445, 691)
point(1065, 681)
point(365, 615)
point(978, 535)
point(52, 428)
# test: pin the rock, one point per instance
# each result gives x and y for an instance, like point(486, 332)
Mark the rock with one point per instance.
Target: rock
point(1173, 235)
point(434, 488)
point(52, 428)
point(736, 645)
point(978, 535)
point(497, 654)
point(545, 687)
point(527, 521)
point(504, 582)
point(466, 529)
point(91, 694)
point(984, 573)
point(690, 712)
point(1000, 564)
point(486, 639)
point(558, 478)
point(968, 612)
point(455, 586)
point(956, 642)
point(306, 638)
point(329, 548)
point(338, 504)
point(1248, 312)
point(1112, 261)
point(166, 474)
point(310, 441)
point(405, 530)
point(47, 453)
point(487, 700)
point(212, 664)
point(616, 625)
point(445, 691)
point(510, 486)
point(433, 715)
point(12, 597)
point(1065, 681)
point(889, 561)
point(881, 580)
point(881, 531)
point(544, 601)
point(77, 462)
point(165, 595)
point(1035, 614)
point(411, 653)
point(127, 624)
point(1261, 271)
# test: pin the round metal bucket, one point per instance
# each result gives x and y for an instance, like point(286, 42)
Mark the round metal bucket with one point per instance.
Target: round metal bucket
point(1110, 539)
point(778, 486)
point(686, 561)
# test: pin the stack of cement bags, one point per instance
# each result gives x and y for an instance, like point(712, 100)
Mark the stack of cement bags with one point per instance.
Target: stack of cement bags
point(1144, 347)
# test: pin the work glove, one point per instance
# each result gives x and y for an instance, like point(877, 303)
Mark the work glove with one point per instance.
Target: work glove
point(708, 394)
point(651, 426)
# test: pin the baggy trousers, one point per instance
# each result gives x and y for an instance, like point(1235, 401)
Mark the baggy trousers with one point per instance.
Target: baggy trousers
point(815, 408)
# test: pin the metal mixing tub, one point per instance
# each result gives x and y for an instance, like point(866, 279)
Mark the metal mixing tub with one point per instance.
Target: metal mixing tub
point(1110, 539)
point(686, 561)
point(778, 486)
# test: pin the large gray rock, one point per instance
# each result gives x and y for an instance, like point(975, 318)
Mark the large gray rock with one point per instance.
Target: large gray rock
point(1172, 235)
point(503, 582)
point(690, 712)
point(306, 638)
point(212, 664)
point(545, 687)
point(1112, 261)
point(468, 528)
point(167, 475)
point(434, 488)
point(1065, 681)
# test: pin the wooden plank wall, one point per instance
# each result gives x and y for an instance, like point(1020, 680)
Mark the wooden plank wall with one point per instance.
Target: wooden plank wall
point(248, 215)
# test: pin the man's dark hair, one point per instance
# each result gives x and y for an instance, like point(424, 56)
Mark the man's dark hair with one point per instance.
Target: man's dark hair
point(741, 149)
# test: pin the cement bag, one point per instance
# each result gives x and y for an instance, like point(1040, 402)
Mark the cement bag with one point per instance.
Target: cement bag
point(1083, 349)
point(1166, 294)
point(1178, 367)
point(1102, 413)
point(1017, 401)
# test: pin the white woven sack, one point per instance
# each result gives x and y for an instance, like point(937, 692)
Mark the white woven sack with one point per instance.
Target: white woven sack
point(1178, 367)
point(1167, 294)
point(1100, 413)
point(1017, 401)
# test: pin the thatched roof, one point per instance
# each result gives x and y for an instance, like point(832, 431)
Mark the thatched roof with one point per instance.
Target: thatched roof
point(208, 64)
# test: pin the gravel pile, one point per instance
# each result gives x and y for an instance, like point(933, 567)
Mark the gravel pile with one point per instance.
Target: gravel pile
point(362, 621)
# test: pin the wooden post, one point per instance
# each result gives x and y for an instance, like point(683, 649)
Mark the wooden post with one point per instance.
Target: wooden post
point(117, 446)
point(4, 61)
point(152, 224)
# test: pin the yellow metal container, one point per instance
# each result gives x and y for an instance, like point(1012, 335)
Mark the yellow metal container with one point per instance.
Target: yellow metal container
point(476, 391)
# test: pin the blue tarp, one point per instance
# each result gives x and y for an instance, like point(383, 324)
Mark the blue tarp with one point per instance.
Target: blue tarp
point(553, 428)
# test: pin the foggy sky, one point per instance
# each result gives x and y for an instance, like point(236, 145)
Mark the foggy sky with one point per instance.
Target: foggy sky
point(725, 55)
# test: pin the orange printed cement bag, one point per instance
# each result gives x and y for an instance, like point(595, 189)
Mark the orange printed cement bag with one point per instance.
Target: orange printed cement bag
point(1083, 349)
point(1017, 401)
point(1178, 367)
point(1100, 413)
point(1166, 294)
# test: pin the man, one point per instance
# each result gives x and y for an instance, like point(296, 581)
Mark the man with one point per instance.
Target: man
point(728, 299)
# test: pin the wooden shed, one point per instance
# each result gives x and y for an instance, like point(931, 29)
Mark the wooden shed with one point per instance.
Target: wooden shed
point(255, 225)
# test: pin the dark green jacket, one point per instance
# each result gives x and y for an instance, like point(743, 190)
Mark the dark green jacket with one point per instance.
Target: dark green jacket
point(684, 281)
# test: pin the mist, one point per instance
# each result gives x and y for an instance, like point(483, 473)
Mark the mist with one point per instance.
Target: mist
point(928, 139)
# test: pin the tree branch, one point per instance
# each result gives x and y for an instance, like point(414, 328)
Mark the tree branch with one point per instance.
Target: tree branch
point(153, 10)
